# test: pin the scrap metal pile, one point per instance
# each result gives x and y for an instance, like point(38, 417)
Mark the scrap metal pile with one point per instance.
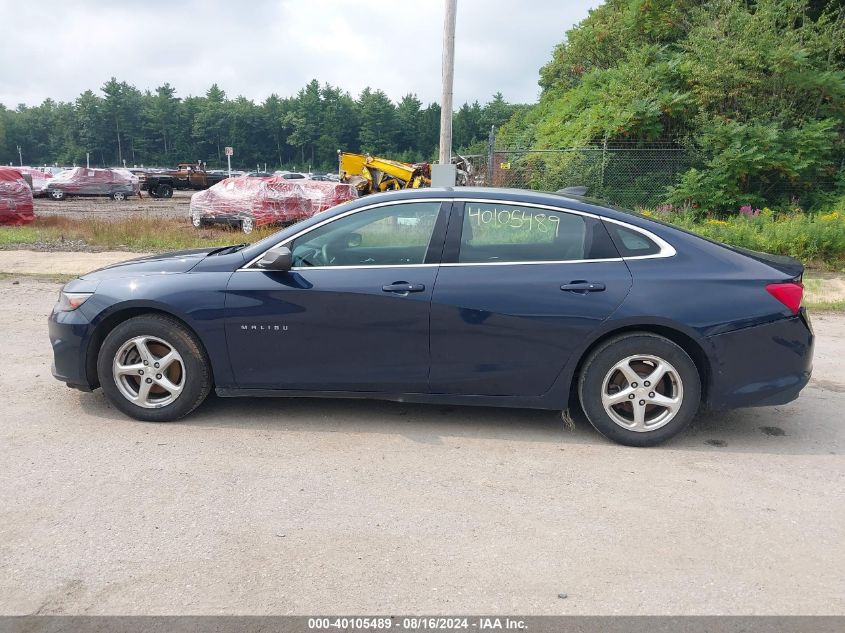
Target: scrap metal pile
point(251, 202)
point(15, 198)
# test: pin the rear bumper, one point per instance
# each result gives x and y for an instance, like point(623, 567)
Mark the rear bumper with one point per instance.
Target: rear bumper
point(762, 365)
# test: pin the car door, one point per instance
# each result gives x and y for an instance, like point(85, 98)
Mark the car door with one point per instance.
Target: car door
point(520, 287)
point(353, 312)
point(90, 182)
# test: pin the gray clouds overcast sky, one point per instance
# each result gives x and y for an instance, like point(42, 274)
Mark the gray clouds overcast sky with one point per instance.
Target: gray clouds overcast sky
point(255, 48)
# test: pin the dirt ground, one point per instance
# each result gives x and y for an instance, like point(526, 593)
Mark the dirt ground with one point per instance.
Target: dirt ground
point(176, 207)
point(308, 506)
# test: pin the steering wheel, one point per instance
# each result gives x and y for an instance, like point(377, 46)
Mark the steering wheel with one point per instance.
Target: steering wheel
point(313, 257)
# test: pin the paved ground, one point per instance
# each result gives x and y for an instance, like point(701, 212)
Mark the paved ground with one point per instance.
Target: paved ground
point(26, 262)
point(176, 207)
point(306, 506)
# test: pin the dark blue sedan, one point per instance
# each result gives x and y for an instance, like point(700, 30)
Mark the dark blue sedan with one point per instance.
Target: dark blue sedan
point(465, 296)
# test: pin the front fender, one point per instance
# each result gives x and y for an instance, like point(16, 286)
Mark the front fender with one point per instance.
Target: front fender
point(195, 299)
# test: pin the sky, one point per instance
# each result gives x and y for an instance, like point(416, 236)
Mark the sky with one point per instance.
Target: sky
point(60, 48)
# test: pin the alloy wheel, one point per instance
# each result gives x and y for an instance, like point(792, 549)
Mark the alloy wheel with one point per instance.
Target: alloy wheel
point(149, 372)
point(642, 393)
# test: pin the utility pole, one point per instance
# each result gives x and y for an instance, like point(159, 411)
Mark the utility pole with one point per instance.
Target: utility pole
point(443, 176)
point(20, 156)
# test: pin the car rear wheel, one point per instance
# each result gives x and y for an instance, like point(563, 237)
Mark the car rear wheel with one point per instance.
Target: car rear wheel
point(639, 389)
point(247, 224)
point(164, 191)
point(152, 368)
point(119, 195)
point(55, 194)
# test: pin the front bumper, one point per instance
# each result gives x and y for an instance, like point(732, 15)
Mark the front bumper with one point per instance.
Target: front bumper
point(763, 365)
point(69, 338)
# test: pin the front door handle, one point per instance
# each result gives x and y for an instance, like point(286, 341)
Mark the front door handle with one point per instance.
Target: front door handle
point(583, 286)
point(403, 287)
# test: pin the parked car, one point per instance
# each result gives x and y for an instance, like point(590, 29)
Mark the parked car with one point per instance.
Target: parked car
point(15, 198)
point(292, 175)
point(38, 178)
point(83, 181)
point(162, 182)
point(464, 296)
point(248, 202)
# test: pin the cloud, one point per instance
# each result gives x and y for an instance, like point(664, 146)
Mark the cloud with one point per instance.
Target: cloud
point(59, 49)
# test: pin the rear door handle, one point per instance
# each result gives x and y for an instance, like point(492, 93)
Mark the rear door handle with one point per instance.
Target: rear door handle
point(403, 287)
point(583, 286)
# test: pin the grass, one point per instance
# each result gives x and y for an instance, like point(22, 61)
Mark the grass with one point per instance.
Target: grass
point(46, 277)
point(817, 239)
point(131, 234)
point(824, 293)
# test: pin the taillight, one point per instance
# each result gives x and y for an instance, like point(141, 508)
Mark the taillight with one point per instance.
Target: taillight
point(789, 294)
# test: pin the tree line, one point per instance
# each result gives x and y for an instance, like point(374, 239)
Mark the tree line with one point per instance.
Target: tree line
point(158, 128)
point(754, 91)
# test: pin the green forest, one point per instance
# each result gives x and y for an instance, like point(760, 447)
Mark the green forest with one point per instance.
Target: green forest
point(157, 128)
point(753, 93)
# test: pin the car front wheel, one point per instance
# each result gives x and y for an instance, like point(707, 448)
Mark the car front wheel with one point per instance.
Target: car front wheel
point(152, 368)
point(639, 389)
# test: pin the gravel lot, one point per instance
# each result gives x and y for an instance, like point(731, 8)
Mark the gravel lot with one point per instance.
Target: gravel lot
point(176, 207)
point(304, 506)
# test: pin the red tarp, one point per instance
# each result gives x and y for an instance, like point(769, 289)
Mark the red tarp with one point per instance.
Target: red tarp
point(272, 200)
point(15, 198)
point(39, 179)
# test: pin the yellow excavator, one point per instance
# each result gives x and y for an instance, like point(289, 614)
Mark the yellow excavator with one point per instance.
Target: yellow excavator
point(371, 174)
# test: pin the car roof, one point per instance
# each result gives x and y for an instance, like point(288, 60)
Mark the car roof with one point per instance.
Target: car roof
point(569, 201)
point(527, 196)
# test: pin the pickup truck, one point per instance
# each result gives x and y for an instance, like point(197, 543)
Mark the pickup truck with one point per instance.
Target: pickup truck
point(161, 184)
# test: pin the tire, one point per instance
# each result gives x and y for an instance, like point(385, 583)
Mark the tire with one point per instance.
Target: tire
point(56, 194)
point(121, 361)
point(118, 195)
point(605, 387)
point(164, 191)
point(197, 220)
point(247, 224)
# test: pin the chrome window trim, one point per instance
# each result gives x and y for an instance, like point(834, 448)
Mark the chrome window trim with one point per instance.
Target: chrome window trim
point(534, 263)
point(666, 249)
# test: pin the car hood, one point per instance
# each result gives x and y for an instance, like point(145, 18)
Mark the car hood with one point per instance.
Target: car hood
point(166, 263)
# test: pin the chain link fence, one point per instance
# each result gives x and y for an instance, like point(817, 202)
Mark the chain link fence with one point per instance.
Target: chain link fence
point(625, 176)
point(635, 175)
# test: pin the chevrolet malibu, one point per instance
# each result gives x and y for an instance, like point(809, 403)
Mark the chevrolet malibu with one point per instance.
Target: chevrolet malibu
point(464, 296)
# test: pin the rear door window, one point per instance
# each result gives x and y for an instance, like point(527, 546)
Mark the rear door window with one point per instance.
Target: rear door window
point(502, 232)
point(631, 243)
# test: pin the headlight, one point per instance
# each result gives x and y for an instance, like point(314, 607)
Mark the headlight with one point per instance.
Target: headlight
point(69, 301)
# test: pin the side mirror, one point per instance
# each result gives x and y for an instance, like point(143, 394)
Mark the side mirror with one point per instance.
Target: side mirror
point(279, 259)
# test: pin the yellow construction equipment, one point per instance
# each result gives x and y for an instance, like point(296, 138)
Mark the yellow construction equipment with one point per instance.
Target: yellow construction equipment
point(371, 174)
